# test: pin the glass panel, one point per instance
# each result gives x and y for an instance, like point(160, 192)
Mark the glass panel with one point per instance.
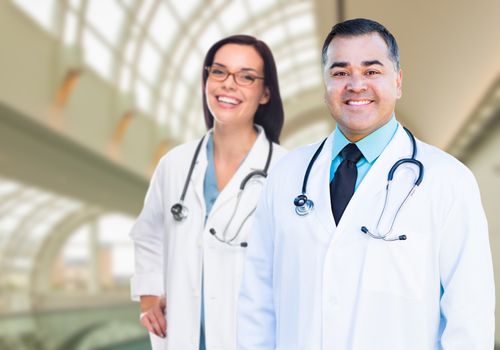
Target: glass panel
point(130, 50)
point(179, 52)
point(128, 3)
point(125, 79)
point(210, 35)
point(163, 27)
point(175, 124)
point(284, 66)
point(70, 30)
point(75, 4)
point(41, 11)
point(274, 35)
point(181, 93)
point(96, 54)
point(257, 7)
point(149, 62)
point(307, 54)
point(232, 17)
point(144, 10)
point(143, 94)
point(99, 15)
point(309, 78)
point(192, 68)
point(113, 237)
point(161, 116)
point(77, 246)
point(184, 8)
point(301, 24)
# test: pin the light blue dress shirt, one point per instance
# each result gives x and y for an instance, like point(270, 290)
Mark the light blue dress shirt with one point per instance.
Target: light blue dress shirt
point(371, 147)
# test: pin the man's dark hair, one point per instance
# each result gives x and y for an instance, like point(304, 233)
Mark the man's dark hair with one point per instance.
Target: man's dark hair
point(362, 26)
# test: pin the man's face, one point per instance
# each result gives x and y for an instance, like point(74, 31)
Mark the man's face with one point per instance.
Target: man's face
point(362, 84)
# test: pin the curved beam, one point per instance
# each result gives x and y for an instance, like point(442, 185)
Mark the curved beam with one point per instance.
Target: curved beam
point(118, 134)
point(62, 97)
point(51, 246)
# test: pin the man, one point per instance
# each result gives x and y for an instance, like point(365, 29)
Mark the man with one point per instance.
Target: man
point(357, 271)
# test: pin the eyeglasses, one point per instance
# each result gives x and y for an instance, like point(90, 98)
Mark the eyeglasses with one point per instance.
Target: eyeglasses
point(242, 77)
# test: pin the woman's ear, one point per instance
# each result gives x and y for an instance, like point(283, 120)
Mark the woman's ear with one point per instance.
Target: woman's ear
point(266, 96)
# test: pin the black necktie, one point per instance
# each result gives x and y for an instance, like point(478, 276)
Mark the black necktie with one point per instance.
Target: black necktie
point(344, 181)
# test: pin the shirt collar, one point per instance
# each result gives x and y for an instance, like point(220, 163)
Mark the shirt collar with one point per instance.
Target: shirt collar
point(372, 145)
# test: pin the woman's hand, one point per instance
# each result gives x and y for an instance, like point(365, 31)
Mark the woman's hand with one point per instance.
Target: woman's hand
point(152, 316)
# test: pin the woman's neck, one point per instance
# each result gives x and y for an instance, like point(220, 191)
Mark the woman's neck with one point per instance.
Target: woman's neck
point(231, 143)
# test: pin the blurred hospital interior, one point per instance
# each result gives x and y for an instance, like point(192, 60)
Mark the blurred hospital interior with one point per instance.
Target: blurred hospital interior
point(94, 92)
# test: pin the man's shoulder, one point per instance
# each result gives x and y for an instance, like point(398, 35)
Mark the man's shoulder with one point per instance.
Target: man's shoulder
point(296, 158)
point(439, 163)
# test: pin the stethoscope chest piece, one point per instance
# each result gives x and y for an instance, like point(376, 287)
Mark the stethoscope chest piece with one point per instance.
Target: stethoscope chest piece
point(179, 211)
point(303, 205)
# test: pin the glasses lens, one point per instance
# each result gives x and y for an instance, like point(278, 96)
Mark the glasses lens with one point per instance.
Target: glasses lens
point(217, 73)
point(244, 78)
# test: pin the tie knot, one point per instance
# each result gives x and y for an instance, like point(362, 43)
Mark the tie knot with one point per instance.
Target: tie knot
point(351, 152)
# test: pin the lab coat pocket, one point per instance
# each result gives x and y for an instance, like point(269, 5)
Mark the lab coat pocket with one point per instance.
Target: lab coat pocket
point(395, 268)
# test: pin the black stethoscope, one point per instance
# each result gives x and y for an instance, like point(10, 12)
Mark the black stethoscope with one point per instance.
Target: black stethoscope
point(304, 205)
point(180, 211)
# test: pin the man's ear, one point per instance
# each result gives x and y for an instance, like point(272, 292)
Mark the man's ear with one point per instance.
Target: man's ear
point(399, 84)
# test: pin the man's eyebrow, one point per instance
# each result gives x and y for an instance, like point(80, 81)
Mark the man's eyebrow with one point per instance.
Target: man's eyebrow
point(364, 63)
point(339, 64)
point(371, 63)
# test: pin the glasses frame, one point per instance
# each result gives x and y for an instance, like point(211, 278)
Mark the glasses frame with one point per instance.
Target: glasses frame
point(228, 73)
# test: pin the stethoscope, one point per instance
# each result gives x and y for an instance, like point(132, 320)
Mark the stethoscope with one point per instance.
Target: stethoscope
point(304, 206)
point(180, 211)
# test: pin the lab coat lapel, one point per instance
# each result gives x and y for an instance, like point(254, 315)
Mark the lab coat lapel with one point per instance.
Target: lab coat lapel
point(255, 160)
point(199, 170)
point(375, 181)
point(318, 187)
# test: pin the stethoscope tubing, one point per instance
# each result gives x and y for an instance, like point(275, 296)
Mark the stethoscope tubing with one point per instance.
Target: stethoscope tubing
point(304, 205)
point(179, 210)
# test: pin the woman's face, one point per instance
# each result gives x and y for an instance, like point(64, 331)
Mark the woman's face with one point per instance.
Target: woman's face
point(231, 103)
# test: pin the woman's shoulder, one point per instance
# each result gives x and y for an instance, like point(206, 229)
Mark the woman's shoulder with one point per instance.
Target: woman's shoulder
point(179, 153)
point(279, 151)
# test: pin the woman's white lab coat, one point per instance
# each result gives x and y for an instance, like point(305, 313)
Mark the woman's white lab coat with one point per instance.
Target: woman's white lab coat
point(311, 285)
point(171, 257)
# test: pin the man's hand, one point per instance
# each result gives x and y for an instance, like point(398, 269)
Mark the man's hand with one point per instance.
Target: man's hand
point(152, 316)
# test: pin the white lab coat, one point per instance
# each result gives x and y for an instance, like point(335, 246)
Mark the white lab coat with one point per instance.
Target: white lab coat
point(172, 256)
point(310, 285)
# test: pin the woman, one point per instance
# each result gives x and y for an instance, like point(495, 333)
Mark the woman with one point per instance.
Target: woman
point(191, 235)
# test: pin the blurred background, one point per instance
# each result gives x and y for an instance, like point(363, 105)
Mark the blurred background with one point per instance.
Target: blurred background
point(93, 92)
